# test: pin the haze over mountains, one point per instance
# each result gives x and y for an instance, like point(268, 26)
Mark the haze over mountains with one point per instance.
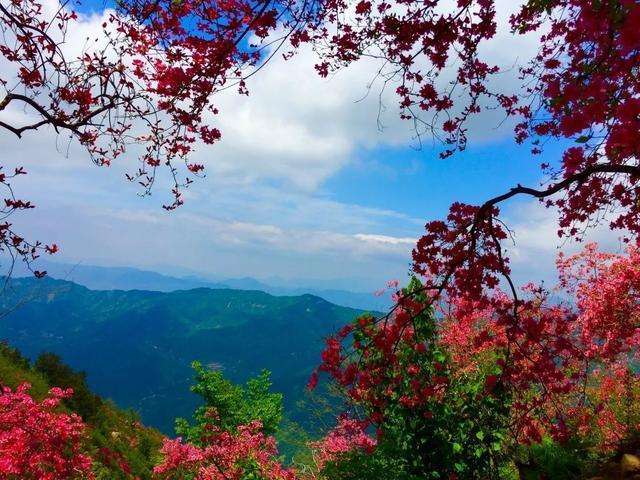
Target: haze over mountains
point(127, 278)
point(137, 346)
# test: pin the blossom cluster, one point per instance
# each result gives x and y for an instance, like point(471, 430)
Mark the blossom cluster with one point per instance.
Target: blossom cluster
point(37, 440)
point(224, 455)
point(347, 436)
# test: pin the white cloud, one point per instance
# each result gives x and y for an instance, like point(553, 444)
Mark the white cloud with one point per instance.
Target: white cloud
point(384, 239)
point(213, 246)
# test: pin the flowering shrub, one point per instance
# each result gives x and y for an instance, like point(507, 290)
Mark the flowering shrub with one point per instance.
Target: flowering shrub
point(37, 441)
point(245, 454)
point(433, 419)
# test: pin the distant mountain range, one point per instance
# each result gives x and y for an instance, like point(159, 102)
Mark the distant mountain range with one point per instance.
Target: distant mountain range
point(136, 346)
point(126, 278)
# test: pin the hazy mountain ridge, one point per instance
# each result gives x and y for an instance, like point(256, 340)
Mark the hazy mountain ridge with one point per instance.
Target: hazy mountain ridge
point(127, 278)
point(136, 346)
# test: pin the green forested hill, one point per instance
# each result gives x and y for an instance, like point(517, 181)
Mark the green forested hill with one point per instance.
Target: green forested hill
point(137, 346)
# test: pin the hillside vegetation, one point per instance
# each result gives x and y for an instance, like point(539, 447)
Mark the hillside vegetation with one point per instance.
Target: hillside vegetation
point(120, 446)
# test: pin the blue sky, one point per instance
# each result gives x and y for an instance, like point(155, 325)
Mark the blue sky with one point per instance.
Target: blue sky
point(420, 184)
point(304, 185)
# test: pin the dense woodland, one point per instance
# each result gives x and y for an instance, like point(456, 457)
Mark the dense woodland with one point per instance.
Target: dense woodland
point(470, 375)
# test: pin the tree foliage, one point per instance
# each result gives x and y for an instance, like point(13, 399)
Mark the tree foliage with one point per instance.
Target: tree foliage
point(132, 88)
point(466, 366)
point(567, 370)
point(232, 405)
point(433, 417)
point(463, 390)
point(143, 86)
point(83, 401)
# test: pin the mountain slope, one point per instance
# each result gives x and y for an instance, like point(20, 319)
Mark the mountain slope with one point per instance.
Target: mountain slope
point(136, 346)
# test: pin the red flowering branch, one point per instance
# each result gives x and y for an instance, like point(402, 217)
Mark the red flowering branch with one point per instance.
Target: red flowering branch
point(147, 81)
point(144, 85)
point(472, 238)
point(416, 43)
point(12, 244)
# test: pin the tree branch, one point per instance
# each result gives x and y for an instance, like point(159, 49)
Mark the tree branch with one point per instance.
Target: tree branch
point(579, 178)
